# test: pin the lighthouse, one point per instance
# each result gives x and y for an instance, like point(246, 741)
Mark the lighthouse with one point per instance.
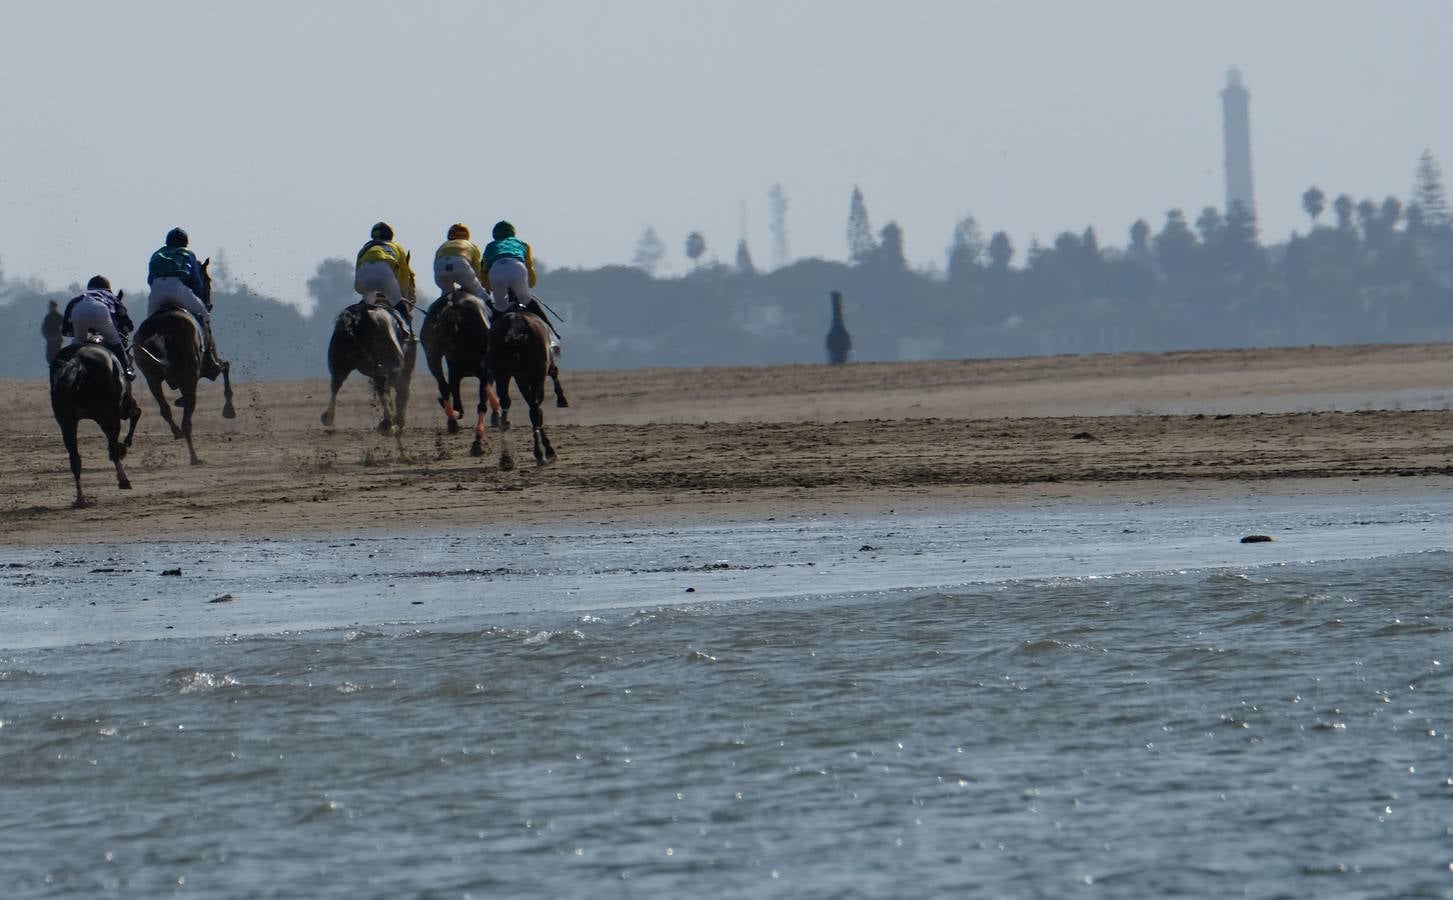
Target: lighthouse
point(1236, 128)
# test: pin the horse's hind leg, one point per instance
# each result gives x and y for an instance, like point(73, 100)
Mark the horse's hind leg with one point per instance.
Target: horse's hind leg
point(117, 451)
point(544, 453)
point(477, 448)
point(228, 410)
point(502, 391)
point(134, 414)
point(191, 404)
point(560, 400)
point(154, 385)
point(337, 382)
point(68, 437)
point(453, 405)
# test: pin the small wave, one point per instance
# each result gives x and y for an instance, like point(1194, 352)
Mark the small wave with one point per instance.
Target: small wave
point(1051, 645)
point(695, 655)
point(541, 638)
point(188, 681)
point(1399, 628)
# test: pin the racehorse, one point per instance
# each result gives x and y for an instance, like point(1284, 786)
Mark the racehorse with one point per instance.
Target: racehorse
point(368, 338)
point(519, 348)
point(87, 381)
point(169, 351)
point(456, 331)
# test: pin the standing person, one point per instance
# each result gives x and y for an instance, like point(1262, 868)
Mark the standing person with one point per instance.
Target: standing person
point(510, 268)
point(50, 329)
point(457, 263)
point(101, 311)
point(177, 282)
point(383, 268)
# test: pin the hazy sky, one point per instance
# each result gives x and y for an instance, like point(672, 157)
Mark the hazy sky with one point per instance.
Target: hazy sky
point(280, 131)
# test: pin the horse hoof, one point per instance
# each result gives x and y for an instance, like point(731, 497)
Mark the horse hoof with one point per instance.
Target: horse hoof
point(504, 425)
point(476, 449)
point(124, 485)
point(561, 402)
point(176, 433)
point(385, 427)
point(451, 426)
point(197, 462)
point(326, 419)
point(81, 503)
point(229, 412)
point(506, 464)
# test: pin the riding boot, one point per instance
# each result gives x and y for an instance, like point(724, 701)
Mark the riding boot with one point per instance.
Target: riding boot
point(406, 319)
point(123, 353)
point(211, 364)
point(535, 307)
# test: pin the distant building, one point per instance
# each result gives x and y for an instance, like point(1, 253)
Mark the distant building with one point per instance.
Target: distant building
point(1236, 128)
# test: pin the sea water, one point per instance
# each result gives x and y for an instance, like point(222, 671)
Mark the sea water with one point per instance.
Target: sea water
point(1098, 700)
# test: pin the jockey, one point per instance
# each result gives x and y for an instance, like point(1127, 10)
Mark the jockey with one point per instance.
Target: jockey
point(176, 282)
point(510, 268)
point(457, 263)
point(101, 311)
point(383, 268)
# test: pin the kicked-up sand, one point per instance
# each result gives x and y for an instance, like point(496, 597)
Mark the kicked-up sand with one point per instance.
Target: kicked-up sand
point(748, 443)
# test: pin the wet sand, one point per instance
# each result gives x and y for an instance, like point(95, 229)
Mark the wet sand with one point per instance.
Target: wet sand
point(752, 443)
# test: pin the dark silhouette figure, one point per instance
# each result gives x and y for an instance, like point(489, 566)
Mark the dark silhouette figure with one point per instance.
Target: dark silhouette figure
point(169, 351)
point(50, 329)
point(88, 382)
point(456, 332)
point(519, 348)
point(370, 338)
point(839, 342)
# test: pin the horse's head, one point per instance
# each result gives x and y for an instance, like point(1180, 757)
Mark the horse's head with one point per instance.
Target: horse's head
point(410, 289)
point(206, 297)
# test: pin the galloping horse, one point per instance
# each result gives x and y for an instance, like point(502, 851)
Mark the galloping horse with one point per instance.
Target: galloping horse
point(368, 338)
point(87, 381)
point(456, 331)
point(519, 348)
point(169, 350)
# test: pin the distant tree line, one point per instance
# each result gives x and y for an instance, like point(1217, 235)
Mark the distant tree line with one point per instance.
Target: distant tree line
point(1366, 270)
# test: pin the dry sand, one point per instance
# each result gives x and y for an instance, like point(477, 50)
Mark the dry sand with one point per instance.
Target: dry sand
point(745, 443)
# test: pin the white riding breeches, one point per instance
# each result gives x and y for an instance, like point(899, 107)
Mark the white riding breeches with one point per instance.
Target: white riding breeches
point(508, 274)
point(456, 270)
point(173, 292)
point(92, 315)
point(377, 277)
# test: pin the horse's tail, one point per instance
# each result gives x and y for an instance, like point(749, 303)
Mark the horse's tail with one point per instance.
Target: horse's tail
point(69, 377)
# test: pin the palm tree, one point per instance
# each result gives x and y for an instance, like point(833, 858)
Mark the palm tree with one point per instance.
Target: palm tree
point(1314, 202)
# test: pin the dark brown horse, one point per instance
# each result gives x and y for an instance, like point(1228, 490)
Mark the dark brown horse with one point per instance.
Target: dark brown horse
point(519, 348)
point(169, 351)
point(456, 334)
point(87, 381)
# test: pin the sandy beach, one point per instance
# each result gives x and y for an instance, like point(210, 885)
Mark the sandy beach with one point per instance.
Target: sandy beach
point(752, 443)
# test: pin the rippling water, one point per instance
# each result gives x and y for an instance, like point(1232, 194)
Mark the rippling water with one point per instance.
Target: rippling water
point(1258, 730)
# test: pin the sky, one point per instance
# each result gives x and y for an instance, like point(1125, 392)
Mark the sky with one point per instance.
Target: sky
point(279, 132)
